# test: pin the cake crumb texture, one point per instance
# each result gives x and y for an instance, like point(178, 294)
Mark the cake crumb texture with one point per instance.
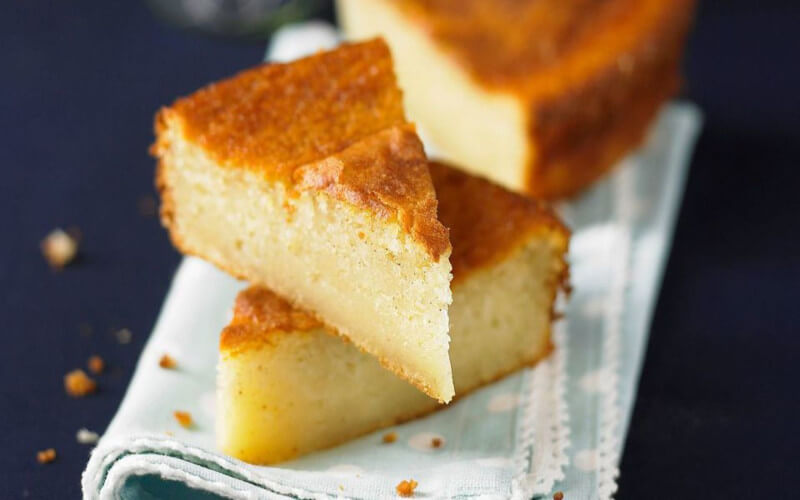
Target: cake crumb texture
point(96, 364)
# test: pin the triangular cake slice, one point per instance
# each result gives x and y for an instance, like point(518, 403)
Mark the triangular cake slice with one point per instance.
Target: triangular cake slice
point(287, 386)
point(306, 178)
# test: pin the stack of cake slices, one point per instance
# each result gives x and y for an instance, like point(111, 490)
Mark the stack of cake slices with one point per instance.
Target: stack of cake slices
point(382, 284)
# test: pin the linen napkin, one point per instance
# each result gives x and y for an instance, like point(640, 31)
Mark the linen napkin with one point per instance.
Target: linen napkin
point(557, 427)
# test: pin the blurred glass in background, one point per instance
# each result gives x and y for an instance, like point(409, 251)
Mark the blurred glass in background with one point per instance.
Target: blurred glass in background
point(253, 19)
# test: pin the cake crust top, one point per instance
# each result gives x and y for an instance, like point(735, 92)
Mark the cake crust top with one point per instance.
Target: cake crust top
point(487, 222)
point(535, 46)
point(332, 122)
point(257, 313)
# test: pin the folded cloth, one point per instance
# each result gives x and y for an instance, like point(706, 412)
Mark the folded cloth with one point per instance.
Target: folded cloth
point(557, 427)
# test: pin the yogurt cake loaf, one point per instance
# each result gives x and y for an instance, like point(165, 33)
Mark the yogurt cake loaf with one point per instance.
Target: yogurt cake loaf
point(305, 177)
point(287, 386)
point(542, 96)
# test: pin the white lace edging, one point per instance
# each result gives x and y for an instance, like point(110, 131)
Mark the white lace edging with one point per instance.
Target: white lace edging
point(543, 428)
point(608, 449)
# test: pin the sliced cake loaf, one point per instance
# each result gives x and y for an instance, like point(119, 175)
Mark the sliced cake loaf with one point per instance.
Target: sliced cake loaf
point(543, 96)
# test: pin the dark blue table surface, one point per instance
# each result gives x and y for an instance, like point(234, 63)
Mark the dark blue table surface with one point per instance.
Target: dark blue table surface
point(718, 409)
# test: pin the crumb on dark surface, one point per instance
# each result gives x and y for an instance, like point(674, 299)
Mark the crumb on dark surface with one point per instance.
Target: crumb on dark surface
point(46, 456)
point(123, 336)
point(96, 364)
point(85, 436)
point(59, 248)
point(78, 384)
point(406, 488)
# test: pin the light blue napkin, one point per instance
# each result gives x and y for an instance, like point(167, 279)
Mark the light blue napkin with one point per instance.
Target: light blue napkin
point(559, 426)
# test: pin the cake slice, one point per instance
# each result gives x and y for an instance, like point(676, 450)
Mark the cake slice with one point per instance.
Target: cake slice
point(287, 387)
point(306, 178)
point(542, 96)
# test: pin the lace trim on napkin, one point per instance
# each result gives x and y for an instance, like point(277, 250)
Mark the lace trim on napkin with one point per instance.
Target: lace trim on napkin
point(543, 429)
point(610, 413)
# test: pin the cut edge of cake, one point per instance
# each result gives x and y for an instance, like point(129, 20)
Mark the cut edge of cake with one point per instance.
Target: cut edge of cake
point(269, 380)
point(361, 208)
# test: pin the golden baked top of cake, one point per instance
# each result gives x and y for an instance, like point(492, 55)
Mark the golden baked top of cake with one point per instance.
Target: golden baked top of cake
point(276, 116)
point(257, 313)
point(486, 221)
point(535, 45)
point(332, 122)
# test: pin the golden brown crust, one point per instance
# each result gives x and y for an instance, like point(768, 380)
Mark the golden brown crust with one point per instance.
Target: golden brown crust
point(587, 151)
point(591, 74)
point(259, 312)
point(535, 47)
point(603, 110)
point(486, 221)
point(332, 122)
point(388, 174)
point(504, 42)
point(274, 117)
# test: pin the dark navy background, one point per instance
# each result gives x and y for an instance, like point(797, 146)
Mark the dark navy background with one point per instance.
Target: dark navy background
point(718, 408)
